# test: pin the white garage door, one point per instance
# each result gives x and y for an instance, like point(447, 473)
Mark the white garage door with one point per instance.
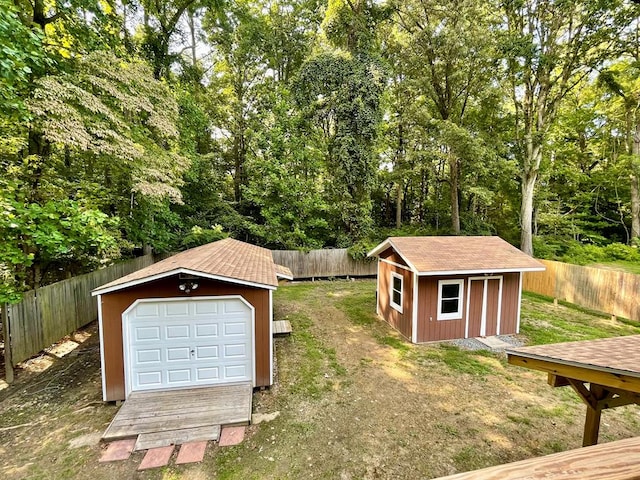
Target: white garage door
point(175, 344)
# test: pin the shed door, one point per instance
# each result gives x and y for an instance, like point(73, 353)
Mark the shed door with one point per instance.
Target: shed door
point(185, 343)
point(484, 300)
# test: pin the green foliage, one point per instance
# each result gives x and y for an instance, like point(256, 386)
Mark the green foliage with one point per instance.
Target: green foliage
point(21, 56)
point(60, 234)
point(571, 251)
point(200, 236)
point(341, 94)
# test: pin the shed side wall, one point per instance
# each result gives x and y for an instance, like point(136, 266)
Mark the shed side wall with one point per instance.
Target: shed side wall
point(510, 301)
point(399, 321)
point(429, 327)
point(115, 303)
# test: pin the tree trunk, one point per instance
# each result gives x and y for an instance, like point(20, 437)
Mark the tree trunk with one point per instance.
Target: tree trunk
point(454, 180)
point(192, 29)
point(399, 182)
point(398, 205)
point(526, 211)
point(635, 189)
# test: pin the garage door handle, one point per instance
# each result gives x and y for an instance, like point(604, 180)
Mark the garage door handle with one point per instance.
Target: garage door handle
point(192, 351)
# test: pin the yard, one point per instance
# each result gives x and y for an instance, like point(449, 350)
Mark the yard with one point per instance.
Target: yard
point(355, 401)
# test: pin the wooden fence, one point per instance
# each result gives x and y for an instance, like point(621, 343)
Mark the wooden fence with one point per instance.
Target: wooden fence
point(47, 314)
point(607, 291)
point(324, 263)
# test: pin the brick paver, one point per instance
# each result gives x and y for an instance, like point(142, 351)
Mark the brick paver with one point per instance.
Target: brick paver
point(231, 436)
point(156, 457)
point(191, 452)
point(118, 450)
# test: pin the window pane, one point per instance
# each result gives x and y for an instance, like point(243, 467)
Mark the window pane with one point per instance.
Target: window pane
point(449, 306)
point(396, 297)
point(451, 290)
point(397, 283)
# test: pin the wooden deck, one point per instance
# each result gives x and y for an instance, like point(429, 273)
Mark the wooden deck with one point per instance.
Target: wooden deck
point(281, 327)
point(177, 416)
point(618, 460)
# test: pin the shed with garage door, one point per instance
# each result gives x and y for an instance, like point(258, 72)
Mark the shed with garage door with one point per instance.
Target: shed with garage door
point(442, 288)
point(201, 317)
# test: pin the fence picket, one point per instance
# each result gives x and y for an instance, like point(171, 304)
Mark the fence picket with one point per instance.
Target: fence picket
point(607, 291)
point(49, 313)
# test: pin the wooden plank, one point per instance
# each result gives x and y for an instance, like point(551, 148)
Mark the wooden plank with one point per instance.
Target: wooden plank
point(619, 460)
point(282, 327)
point(556, 381)
point(584, 374)
point(150, 412)
point(177, 437)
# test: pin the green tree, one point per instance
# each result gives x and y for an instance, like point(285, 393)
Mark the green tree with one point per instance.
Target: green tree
point(550, 46)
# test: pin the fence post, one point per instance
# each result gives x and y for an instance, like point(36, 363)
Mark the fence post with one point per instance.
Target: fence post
point(6, 332)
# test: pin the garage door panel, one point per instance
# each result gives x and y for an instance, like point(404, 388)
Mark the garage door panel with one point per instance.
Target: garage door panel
point(235, 329)
point(177, 332)
point(142, 334)
point(148, 356)
point(150, 379)
point(235, 350)
point(207, 352)
point(231, 306)
point(181, 376)
point(206, 308)
point(210, 345)
point(177, 309)
point(208, 373)
point(234, 372)
point(178, 354)
point(148, 310)
point(206, 330)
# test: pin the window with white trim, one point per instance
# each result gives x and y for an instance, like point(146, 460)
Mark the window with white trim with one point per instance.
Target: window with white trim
point(450, 299)
point(396, 292)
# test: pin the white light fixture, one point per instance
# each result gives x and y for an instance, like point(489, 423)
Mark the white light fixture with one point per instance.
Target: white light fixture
point(188, 287)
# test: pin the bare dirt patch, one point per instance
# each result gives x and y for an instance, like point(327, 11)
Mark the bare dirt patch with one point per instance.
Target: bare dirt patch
point(355, 401)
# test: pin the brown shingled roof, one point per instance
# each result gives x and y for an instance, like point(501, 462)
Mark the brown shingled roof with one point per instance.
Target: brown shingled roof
point(432, 255)
point(227, 259)
point(617, 354)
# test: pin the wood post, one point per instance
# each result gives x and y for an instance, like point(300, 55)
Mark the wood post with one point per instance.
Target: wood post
point(592, 420)
point(6, 332)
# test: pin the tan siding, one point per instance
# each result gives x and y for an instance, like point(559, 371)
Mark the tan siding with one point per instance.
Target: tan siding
point(114, 304)
point(510, 302)
point(399, 321)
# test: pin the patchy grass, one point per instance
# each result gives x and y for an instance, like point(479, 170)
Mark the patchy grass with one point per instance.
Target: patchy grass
point(543, 323)
point(619, 265)
point(356, 401)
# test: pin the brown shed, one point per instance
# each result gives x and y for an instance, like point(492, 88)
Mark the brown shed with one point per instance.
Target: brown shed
point(441, 288)
point(201, 317)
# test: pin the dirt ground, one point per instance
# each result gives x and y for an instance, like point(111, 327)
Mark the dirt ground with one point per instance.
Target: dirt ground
point(354, 401)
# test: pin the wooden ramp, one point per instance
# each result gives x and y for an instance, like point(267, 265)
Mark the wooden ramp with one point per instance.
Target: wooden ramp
point(281, 327)
point(180, 416)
